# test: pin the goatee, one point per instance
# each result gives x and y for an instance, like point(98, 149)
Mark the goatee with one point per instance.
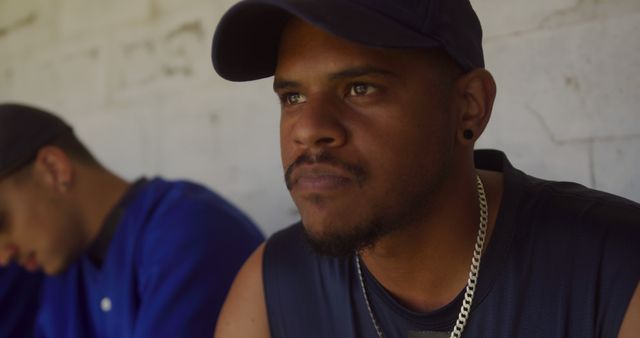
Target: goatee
point(348, 239)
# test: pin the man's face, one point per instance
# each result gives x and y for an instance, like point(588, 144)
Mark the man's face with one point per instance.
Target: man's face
point(366, 136)
point(36, 227)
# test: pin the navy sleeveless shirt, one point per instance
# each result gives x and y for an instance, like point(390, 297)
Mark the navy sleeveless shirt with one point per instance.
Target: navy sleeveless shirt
point(563, 261)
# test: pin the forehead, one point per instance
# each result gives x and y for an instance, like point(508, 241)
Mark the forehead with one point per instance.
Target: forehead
point(306, 49)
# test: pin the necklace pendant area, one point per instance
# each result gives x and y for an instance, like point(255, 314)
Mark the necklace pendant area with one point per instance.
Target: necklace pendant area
point(428, 334)
point(474, 270)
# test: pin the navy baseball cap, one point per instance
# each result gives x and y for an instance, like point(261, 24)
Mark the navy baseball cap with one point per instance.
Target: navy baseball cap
point(246, 41)
point(23, 131)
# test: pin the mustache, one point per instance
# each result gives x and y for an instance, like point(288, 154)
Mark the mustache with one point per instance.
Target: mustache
point(323, 158)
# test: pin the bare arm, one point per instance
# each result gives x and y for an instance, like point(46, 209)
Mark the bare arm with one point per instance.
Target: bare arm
point(631, 324)
point(244, 313)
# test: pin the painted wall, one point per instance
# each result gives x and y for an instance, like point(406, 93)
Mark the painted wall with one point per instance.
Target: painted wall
point(135, 79)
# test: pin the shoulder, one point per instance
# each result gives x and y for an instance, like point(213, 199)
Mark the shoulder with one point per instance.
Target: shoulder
point(572, 205)
point(584, 235)
point(574, 221)
point(189, 248)
point(561, 204)
point(244, 312)
point(187, 205)
point(175, 196)
point(192, 225)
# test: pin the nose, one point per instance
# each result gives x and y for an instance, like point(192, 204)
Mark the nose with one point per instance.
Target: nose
point(318, 125)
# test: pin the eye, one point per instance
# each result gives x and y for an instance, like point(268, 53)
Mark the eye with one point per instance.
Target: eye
point(361, 89)
point(292, 98)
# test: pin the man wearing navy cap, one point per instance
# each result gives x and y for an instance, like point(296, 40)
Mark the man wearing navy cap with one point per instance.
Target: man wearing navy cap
point(407, 231)
point(147, 259)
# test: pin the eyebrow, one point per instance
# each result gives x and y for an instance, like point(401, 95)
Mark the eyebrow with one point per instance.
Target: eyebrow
point(349, 73)
point(279, 84)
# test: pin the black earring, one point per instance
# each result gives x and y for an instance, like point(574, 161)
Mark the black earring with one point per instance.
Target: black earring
point(468, 134)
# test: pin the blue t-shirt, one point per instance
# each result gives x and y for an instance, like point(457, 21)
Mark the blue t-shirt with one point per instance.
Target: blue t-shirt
point(562, 262)
point(169, 265)
point(19, 294)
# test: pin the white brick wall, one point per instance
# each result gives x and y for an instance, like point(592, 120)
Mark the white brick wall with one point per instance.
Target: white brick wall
point(135, 78)
point(568, 89)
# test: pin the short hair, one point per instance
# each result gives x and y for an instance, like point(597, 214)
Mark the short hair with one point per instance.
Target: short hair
point(74, 148)
point(69, 144)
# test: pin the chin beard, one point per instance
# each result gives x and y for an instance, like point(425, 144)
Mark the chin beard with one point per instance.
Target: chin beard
point(410, 207)
point(346, 243)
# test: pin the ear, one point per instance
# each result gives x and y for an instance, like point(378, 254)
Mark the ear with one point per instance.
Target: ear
point(54, 168)
point(477, 91)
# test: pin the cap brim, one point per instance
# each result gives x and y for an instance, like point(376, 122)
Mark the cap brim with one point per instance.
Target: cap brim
point(246, 41)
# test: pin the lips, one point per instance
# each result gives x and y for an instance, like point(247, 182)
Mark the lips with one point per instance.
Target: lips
point(319, 177)
point(322, 172)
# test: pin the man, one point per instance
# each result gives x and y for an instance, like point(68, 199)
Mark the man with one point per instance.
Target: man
point(149, 259)
point(413, 233)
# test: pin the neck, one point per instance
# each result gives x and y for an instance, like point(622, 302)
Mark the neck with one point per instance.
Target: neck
point(100, 192)
point(425, 265)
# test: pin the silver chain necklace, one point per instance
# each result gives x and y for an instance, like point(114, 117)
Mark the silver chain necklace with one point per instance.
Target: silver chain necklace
point(470, 289)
